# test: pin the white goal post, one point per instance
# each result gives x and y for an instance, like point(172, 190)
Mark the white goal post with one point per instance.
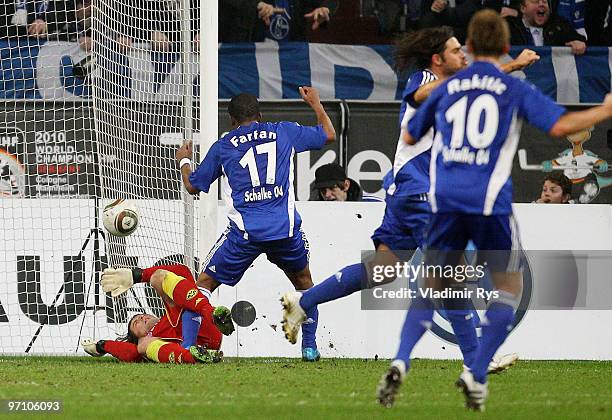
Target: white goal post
point(118, 82)
point(209, 123)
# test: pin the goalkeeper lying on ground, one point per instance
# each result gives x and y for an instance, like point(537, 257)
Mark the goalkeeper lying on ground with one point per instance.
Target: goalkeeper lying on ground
point(189, 332)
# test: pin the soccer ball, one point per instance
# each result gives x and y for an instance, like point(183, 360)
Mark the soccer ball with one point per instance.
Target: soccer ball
point(120, 218)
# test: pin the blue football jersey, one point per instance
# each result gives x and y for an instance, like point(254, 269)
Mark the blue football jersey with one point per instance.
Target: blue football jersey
point(257, 161)
point(411, 162)
point(478, 115)
point(573, 11)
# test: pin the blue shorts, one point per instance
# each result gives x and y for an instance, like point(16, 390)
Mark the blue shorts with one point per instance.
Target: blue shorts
point(496, 238)
point(404, 223)
point(232, 255)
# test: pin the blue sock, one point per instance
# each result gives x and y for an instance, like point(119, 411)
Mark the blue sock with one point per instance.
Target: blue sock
point(498, 324)
point(418, 320)
point(309, 329)
point(464, 328)
point(343, 283)
point(191, 326)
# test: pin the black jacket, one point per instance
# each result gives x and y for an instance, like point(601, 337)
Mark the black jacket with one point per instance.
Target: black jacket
point(596, 14)
point(354, 193)
point(557, 31)
point(457, 17)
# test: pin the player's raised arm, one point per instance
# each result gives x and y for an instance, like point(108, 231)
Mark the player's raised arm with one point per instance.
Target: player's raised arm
point(310, 95)
point(183, 156)
point(572, 122)
point(526, 58)
point(425, 90)
point(206, 173)
point(122, 350)
point(421, 121)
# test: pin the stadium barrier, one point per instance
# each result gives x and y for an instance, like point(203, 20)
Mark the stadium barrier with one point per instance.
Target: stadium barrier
point(58, 157)
point(338, 232)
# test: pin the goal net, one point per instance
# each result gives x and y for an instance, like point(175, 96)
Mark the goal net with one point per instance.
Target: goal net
point(109, 95)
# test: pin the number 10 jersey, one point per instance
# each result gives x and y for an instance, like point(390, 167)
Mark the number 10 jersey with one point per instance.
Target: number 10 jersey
point(477, 114)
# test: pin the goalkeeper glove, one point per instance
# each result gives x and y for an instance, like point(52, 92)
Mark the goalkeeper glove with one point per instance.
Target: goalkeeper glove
point(116, 280)
point(222, 317)
point(93, 348)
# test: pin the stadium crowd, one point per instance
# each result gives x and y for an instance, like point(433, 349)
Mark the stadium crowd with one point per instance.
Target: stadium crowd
point(573, 23)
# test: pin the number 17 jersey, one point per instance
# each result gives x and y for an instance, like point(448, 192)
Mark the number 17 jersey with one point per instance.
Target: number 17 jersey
point(257, 161)
point(478, 115)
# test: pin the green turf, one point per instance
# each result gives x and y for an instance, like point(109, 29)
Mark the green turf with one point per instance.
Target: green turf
point(288, 388)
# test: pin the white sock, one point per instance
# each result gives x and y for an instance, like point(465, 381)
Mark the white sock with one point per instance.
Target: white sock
point(401, 365)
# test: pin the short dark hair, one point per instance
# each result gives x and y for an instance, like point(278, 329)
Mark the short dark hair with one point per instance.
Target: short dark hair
point(416, 48)
point(561, 180)
point(488, 34)
point(243, 107)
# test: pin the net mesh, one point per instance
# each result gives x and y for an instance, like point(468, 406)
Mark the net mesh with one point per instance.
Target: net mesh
point(111, 96)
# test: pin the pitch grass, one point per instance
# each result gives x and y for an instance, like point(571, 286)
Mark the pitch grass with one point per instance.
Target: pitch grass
point(289, 388)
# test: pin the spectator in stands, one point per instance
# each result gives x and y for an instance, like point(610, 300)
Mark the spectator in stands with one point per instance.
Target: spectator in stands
point(83, 23)
point(456, 14)
point(537, 26)
point(394, 15)
point(153, 21)
point(557, 189)
point(40, 19)
point(8, 29)
point(573, 11)
point(332, 184)
point(280, 20)
point(590, 18)
point(510, 8)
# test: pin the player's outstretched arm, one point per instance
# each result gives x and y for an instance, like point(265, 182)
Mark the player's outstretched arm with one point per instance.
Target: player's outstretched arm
point(423, 92)
point(572, 122)
point(91, 347)
point(310, 95)
point(116, 280)
point(122, 350)
point(526, 58)
point(183, 156)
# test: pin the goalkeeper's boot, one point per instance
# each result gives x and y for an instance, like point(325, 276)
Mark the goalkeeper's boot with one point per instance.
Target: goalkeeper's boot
point(93, 348)
point(310, 355)
point(501, 363)
point(293, 315)
point(222, 317)
point(203, 355)
point(390, 383)
point(475, 392)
